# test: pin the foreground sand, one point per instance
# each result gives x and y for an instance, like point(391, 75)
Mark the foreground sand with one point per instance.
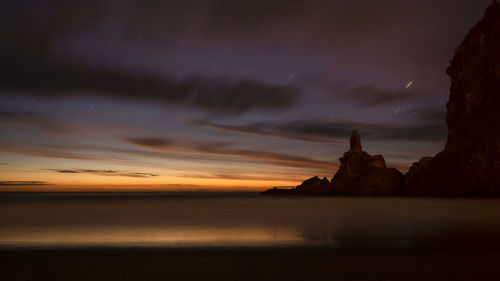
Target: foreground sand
point(248, 264)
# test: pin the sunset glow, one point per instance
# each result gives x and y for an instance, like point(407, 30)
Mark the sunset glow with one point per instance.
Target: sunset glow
point(129, 98)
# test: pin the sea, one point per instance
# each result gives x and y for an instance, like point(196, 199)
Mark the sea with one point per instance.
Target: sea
point(244, 219)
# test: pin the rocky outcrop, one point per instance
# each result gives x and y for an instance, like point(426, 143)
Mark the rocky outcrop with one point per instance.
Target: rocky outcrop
point(312, 186)
point(315, 186)
point(469, 165)
point(361, 174)
point(280, 191)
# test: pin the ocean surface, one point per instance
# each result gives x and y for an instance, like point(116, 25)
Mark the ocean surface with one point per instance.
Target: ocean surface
point(193, 220)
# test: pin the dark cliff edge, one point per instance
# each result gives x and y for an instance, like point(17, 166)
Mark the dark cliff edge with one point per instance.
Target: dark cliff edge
point(469, 165)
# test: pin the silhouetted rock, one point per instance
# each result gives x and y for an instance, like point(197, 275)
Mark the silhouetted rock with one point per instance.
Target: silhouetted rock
point(355, 142)
point(314, 185)
point(469, 165)
point(361, 174)
point(280, 191)
point(415, 169)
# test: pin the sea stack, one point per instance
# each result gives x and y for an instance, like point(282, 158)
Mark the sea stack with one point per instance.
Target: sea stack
point(355, 142)
point(469, 165)
point(314, 186)
point(361, 174)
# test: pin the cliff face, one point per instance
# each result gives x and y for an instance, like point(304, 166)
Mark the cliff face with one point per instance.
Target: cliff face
point(469, 165)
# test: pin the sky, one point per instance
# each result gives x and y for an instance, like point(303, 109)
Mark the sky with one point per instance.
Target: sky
point(219, 94)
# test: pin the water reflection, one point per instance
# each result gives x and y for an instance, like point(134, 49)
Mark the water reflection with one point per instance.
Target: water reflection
point(226, 221)
point(150, 237)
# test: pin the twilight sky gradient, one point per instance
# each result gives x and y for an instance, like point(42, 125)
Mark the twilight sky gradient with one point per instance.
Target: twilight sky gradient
point(218, 94)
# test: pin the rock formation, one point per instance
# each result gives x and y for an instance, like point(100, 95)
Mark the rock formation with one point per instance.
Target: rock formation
point(312, 186)
point(280, 191)
point(355, 142)
point(315, 186)
point(469, 165)
point(361, 174)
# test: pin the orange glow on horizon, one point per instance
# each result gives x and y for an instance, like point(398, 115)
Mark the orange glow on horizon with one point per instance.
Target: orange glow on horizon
point(118, 179)
point(132, 188)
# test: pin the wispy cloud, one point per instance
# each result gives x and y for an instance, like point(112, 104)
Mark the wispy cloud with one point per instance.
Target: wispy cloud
point(65, 152)
point(433, 115)
point(106, 173)
point(240, 176)
point(324, 131)
point(67, 171)
point(44, 78)
point(226, 149)
point(32, 119)
point(371, 95)
point(150, 142)
point(22, 183)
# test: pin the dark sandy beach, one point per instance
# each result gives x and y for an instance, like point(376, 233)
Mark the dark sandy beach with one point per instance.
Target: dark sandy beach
point(248, 264)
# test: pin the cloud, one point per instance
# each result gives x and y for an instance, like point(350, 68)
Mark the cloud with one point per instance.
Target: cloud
point(370, 95)
point(216, 96)
point(29, 66)
point(324, 131)
point(177, 150)
point(22, 183)
point(150, 142)
point(65, 152)
point(106, 173)
point(171, 20)
point(433, 116)
point(226, 149)
point(266, 129)
point(32, 65)
point(59, 48)
point(32, 119)
point(239, 176)
point(67, 171)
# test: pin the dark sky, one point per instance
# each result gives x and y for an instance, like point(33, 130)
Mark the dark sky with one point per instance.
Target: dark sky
point(220, 93)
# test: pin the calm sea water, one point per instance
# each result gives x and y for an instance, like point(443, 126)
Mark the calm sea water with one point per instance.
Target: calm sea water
point(244, 220)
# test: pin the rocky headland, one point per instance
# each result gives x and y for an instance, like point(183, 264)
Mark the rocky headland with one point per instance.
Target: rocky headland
point(469, 164)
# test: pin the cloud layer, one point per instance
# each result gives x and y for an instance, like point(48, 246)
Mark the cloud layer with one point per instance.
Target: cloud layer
point(326, 131)
point(226, 149)
point(106, 173)
point(22, 183)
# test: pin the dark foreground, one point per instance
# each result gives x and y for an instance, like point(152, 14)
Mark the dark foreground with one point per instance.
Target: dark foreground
point(248, 264)
point(133, 236)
